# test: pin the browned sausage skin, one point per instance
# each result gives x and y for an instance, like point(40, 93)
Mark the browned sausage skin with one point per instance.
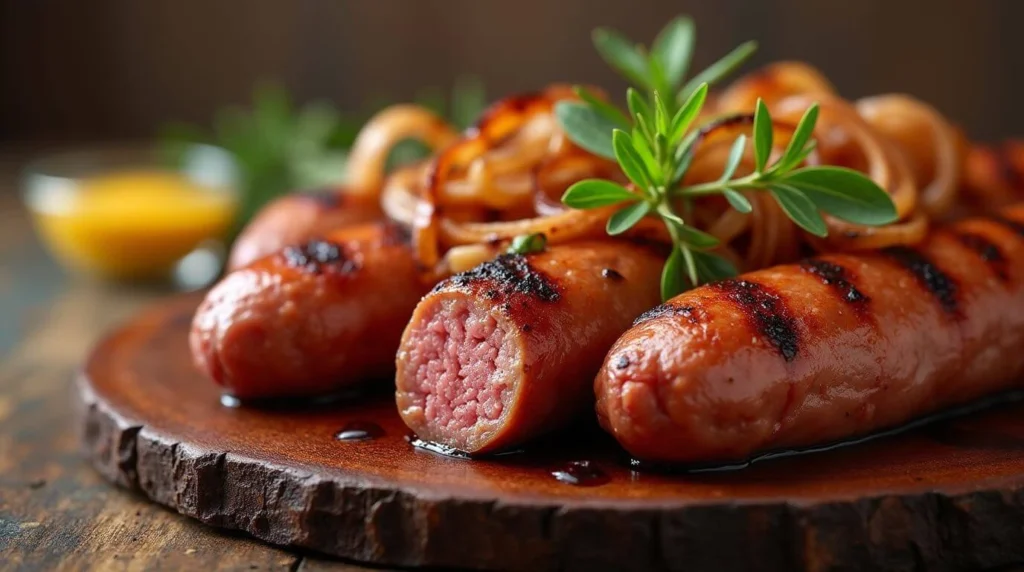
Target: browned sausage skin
point(312, 318)
point(507, 351)
point(834, 347)
point(296, 218)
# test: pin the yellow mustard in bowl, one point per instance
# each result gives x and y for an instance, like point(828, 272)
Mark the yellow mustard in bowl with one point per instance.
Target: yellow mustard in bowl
point(130, 222)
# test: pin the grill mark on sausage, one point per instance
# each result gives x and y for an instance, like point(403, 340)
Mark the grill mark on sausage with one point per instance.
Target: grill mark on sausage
point(767, 313)
point(1014, 226)
point(928, 275)
point(986, 250)
point(506, 275)
point(839, 280)
point(316, 255)
point(667, 309)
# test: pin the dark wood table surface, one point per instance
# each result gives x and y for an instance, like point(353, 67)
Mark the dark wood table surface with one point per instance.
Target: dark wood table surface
point(56, 512)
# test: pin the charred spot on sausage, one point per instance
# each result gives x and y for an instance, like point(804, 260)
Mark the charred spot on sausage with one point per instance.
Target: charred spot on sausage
point(315, 256)
point(986, 250)
point(506, 275)
point(666, 309)
point(395, 234)
point(612, 274)
point(836, 277)
point(622, 362)
point(767, 312)
point(928, 275)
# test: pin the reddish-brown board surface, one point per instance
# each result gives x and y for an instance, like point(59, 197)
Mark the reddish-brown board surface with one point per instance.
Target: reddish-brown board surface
point(950, 496)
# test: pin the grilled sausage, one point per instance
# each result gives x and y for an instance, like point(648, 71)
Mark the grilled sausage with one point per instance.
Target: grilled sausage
point(298, 217)
point(311, 318)
point(834, 347)
point(993, 176)
point(502, 353)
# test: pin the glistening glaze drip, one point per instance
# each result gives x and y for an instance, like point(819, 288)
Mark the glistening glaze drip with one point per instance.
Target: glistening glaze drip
point(449, 451)
point(290, 403)
point(359, 431)
point(946, 415)
point(581, 474)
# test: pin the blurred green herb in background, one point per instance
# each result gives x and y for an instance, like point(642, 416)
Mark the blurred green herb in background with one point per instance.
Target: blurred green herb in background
point(281, 147)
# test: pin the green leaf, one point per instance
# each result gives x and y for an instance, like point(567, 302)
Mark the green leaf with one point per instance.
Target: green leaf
point(734, 159)
point(643, 148)
point(602, 107)
point(718, 70)
point(639, 108)
point(673, 276)
point(845, 194)
point(799, 208)
point(660, 114)
point(762, 135)
point(688, 112)
point(673, 49)
point(737, 200)
point(696, 238)
point(800, 157)
point(626, 217)
point(657, 74)
point(528, 243)
point(630, 162)
point(586, 127)
point(712, 268)
point(802, 134)
point(661, 145)
point(628, 59)
point(684, 157)
point(593, 193)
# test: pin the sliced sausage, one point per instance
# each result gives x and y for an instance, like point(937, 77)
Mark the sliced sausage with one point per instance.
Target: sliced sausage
point(834, 347)
point(507, 351)
point(296, 218)
point(310, 319)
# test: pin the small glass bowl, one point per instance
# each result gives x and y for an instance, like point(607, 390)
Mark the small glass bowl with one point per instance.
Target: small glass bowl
point(136, 214)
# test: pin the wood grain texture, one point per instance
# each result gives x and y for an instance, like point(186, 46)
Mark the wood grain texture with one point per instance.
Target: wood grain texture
point(950, 497)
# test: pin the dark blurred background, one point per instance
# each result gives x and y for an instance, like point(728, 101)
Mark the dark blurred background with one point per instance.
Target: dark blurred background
point(112, 69)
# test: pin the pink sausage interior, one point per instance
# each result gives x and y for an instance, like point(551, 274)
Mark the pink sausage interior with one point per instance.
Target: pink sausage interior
point(459, 360)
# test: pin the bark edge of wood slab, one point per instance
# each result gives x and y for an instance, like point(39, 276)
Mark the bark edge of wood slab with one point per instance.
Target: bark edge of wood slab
point(947, 497)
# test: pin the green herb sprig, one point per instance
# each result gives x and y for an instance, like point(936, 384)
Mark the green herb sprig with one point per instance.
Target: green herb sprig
point(281, 146)
point(654, 144)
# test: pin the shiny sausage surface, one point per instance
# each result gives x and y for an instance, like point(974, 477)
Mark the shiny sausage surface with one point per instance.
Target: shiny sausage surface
point(502, 353)
point(834, 347)
point(296, 218)
point(311, 319)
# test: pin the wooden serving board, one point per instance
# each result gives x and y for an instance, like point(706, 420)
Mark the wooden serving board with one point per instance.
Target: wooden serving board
point(949, 496)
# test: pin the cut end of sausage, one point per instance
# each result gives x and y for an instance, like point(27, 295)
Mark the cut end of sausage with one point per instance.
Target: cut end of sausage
point(457, 373)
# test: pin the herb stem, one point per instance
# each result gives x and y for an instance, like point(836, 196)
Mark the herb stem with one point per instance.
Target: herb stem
point(751, 181)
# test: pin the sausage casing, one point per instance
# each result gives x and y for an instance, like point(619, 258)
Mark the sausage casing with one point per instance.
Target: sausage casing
point(507, 351)
point(296, 218)
point(312, 318)
point(834, 347)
